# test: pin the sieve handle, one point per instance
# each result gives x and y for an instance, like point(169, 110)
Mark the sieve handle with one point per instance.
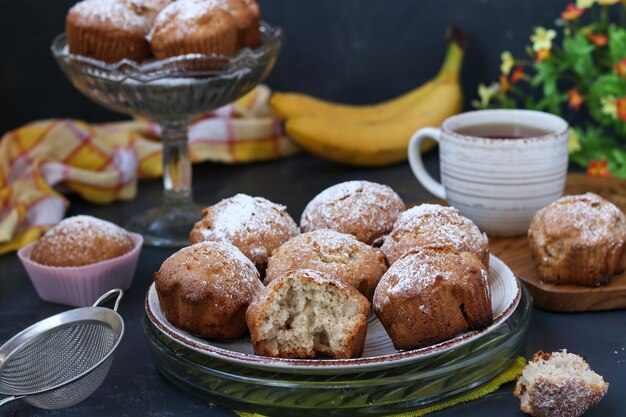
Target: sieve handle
point(11, 398)
point(107, 295)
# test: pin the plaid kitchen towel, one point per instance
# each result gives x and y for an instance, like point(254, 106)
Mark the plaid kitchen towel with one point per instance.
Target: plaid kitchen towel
point(103, 162)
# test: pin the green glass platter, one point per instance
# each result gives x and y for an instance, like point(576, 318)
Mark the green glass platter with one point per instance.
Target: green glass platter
point(392, 390)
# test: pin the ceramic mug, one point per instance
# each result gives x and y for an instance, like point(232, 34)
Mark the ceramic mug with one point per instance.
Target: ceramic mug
point(499, 183)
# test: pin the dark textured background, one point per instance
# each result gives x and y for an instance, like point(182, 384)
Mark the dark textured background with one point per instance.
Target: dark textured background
point(356, 51)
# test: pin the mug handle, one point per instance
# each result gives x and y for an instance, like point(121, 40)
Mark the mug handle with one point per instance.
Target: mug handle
point(417, 165)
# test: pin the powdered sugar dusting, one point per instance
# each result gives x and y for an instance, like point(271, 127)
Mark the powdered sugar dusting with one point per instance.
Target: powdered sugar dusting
point(81, 229)
point(362, 208)
point(340, 255)
point(587, 217)
point(433, 225)
point(81, 240)
point(414, 273)
point(234, 266)
point(558, 384)
point(113, 12)
point(185, 13)
point(242, 213)
point(253, 224)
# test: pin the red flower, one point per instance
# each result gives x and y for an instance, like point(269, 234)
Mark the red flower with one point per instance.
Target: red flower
point(599, 40)
point(620, 103)
point(574, 99)
point(598, 169)
point(517, 75)
point(572, 12)
point(504, 83)
point(620, 67)
point(542, 55)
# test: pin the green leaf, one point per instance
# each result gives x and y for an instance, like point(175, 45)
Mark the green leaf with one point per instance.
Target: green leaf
point(617, 43)
point(606, 85)
point(577, 55)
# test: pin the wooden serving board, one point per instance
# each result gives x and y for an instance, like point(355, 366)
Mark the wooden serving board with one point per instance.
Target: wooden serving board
point(514, 251)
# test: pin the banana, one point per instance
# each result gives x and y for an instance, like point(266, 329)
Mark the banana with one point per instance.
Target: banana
point(356, 140)
point(289, 105)
point(373, 144)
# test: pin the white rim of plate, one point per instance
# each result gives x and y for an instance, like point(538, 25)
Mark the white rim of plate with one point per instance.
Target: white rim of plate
point(503, 283)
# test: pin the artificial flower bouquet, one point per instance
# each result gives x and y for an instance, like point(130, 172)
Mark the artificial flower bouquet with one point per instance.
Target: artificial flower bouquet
point(578, 73)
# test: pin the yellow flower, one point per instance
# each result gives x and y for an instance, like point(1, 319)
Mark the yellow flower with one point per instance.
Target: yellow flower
point(486, 93)
point(585, 4)
point(607, 2)
point(507, 62)
point(542, 38)
point(609, 106)
point(574, 144)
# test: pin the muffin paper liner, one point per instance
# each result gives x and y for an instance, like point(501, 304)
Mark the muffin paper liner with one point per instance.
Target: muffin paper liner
point(80, 286)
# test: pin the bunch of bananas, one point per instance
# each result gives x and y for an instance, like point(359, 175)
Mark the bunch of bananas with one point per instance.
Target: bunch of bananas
point(375, 134)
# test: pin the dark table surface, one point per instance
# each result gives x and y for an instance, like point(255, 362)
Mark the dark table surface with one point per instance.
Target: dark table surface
point(134, 387)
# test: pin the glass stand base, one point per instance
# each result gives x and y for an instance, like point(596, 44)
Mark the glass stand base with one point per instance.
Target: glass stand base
point(168, 225)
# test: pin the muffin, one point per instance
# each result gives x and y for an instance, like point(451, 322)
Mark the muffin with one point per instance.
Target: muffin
point(247, 19)
point(80, 259)
point(579, 239)
point(435, 225)
point(431, 295)
point(558, 384)
point(304, 314)
point(335, 254)
point(111, 30)
point(79, 241)
point(206, 288)
point(253, 224)
point(363, 209)
point(193, 26)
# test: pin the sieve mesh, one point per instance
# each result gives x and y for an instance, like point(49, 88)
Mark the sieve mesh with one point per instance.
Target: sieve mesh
point(56, 356)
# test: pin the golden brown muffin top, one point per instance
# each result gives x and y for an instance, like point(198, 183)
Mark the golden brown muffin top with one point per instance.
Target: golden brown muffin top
point(420, 269)
point(148, 8)
point(239, 10)
point(433, 225)
point(130, 15)
point(185, 19)
point(209, 271)
point(253, 224)
point(339, 255)
point(254, 7)
point(81, 240)
point(587, 219)
point(364, 209)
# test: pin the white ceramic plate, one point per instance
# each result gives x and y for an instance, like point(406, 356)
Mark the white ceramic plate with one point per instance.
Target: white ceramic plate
point(379, 351)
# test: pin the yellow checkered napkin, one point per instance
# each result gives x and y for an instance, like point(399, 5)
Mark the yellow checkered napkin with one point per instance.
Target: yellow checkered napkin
point(103, 162)
point(491, 386)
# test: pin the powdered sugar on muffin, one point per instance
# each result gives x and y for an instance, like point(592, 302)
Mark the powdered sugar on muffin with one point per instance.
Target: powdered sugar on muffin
point(112, 12)
point(435, 225)
point(579, 239)
point(193, 26)
point(81, 240)
point(361, 208)
point(338, 255)
point(558, 384)
point(206, 288)
point(431, 295)
point(253, 224)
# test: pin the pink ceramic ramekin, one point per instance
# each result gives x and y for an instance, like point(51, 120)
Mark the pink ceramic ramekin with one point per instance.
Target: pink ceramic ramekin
point(80, 286)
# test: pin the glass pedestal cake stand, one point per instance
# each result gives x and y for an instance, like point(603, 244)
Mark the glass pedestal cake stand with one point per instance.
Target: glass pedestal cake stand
point(384, 391)
point(171, 92)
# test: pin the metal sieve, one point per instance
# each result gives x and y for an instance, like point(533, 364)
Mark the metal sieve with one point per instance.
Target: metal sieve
point(60, 361)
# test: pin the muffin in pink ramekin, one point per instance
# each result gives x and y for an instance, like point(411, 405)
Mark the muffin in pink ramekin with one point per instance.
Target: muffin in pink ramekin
point(64, 274)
